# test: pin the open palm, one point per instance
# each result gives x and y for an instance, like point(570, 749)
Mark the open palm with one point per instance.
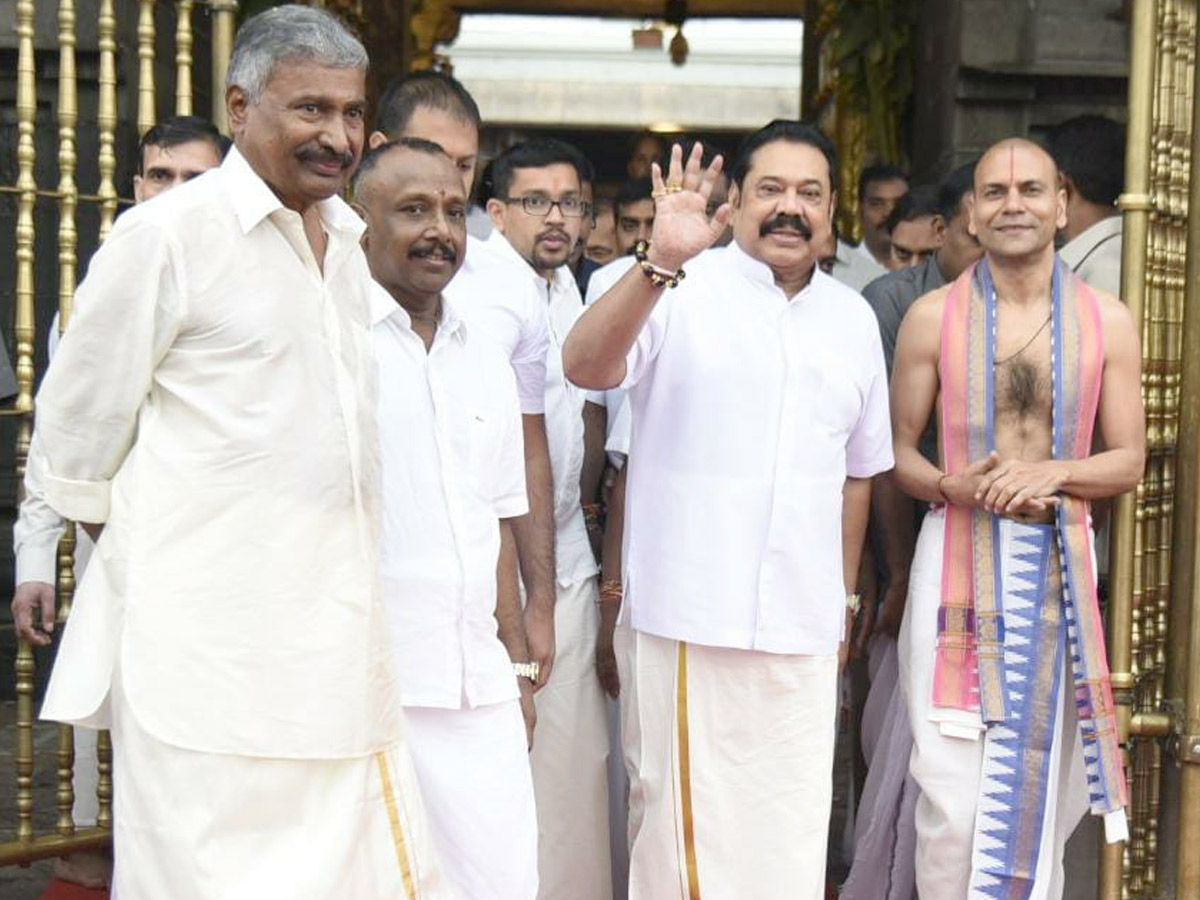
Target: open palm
point(682, 226)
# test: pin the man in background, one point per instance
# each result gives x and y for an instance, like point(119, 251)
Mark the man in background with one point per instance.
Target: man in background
point(1090, 153)
point(916, 227)
point(880, 188)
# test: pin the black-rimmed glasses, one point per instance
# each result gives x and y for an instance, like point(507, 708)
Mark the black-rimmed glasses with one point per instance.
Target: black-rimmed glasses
point(536, 205)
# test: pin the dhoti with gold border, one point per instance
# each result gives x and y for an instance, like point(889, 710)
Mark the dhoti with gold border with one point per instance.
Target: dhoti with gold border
point(190, 825)
point(730, 759)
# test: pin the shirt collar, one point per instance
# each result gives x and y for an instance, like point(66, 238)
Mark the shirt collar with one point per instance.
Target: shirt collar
point(383, 306)
point(759, 272)
point(500, 244)
point(253, 200)
point(561, 281)
point(1075, 251)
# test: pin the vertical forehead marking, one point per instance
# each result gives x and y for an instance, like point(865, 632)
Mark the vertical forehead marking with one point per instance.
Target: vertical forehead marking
point(1012, 165)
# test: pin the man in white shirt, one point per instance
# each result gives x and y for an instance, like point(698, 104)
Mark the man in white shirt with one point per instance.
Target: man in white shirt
point(505, 310)
point(212, 409)
point(174, 151)
point(450, 434)
point(759, 403)
point(537, 210)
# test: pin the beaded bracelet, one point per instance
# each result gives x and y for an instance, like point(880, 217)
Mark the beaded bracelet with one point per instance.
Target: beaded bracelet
point(660, 278)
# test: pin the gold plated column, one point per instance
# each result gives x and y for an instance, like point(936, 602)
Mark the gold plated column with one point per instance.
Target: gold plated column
point(68, 242)
point(146, 115)
point(183, 57)
point(104, 787)
point(106, 117)
point(26, 197)
point(1186, 571)
point(224, 13)
point(1136, 204)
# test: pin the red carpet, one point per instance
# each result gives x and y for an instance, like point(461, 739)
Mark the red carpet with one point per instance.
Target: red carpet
point(64, 890)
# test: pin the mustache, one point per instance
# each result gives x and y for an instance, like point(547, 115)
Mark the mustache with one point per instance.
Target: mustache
point(314, 152)
point(793, 223)
point(554, 232)
point(423, 251)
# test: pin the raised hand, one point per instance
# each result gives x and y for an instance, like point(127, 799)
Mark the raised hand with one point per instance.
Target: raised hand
point(682, 226)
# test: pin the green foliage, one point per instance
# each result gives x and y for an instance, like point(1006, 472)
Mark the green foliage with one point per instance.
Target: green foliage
point(873, 53)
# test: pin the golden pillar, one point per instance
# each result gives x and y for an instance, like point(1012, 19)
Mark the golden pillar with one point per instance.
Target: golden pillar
point(26, 198)
point(1185, 618)
point(106, 117)
point(68, 242)
point(183, 57)
point(224, 14)
point(146, 114)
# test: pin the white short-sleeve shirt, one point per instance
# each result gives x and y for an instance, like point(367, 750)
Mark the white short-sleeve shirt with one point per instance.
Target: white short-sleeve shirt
point(560, 306)
point(453, 466)
point(502, 307)
point(750, 411)
point(617, 434)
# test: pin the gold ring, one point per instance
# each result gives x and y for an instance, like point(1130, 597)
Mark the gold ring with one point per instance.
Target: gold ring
point(660, 193)
point(674, 188)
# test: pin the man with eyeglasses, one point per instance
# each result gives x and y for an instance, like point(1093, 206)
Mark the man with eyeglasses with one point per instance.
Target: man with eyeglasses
point(538, 209)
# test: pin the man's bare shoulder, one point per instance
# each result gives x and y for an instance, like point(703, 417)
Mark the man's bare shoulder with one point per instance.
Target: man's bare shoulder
point(1112, 309)
point(928, 308)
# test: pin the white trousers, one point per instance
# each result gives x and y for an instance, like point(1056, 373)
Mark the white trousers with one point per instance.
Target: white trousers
point(570, 758)
point(472, 766)
point(204, 826)
point(948, 770)
point(741, 810)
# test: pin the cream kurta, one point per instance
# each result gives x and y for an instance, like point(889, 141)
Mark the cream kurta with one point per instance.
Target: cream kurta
point(213, 404)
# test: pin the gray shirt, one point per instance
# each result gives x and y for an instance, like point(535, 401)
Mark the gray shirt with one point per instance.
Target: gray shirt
point(890, 296)
point(1095, 255)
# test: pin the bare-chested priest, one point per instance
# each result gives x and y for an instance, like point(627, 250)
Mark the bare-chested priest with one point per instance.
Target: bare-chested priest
point(1012, 715)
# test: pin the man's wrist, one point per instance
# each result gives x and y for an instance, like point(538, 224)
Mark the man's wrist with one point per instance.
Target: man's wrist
point(663, 259)
point(540, 602)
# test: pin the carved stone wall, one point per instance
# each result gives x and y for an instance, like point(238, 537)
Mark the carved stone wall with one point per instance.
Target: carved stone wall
point(988, 69)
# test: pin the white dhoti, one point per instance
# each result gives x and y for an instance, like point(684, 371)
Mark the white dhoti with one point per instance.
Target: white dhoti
point(948, 769)
point(570, 758)
point(206, 826)
point(730, 756)
point(472, 767)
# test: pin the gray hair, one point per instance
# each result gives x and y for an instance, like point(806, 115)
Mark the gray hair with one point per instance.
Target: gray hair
point(289, 32)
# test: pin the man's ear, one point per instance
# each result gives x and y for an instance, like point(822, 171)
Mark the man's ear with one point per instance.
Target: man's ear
point(734, 197)
point(495, 211)
point(971, 229)
point(137, 188)
point(939, 227)
point(237, 104)
point(377, 139)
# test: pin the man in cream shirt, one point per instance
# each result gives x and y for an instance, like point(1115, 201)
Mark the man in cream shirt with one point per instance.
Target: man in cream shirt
point(173, 152)
point(212, 409)
point(453, 467)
